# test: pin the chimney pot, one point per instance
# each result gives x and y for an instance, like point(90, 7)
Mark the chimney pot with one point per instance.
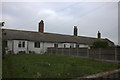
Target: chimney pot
point(75, 30)
point(99, 35)
point(41, 26)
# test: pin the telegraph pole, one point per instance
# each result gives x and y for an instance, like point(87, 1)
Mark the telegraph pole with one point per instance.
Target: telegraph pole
point(1, 25)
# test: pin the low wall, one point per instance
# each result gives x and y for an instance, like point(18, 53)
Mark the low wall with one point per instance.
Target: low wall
point(108, 74)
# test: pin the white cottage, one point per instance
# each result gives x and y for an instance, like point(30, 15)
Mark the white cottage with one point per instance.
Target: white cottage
point(19, 41)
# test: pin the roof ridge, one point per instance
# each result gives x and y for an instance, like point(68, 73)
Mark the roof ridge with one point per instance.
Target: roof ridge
point(88, 37)
point(37, 32)
point(58, 34)
point(50, 37)
point(51, 33)
point(19, 30)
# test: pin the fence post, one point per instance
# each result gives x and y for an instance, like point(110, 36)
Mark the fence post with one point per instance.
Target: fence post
point(87, 52)
point(115, 54)
point(99, 53)
point(77, 51)
point(62, 52)
point(56, 51)
point(51, 50)
point(69, 51)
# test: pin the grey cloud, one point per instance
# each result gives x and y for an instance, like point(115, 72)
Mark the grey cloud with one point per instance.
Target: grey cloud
point(61, 17)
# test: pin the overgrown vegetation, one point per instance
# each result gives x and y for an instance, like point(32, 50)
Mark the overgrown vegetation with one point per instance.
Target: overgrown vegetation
point(118, 46)
point(51, 66)
point(100, 44)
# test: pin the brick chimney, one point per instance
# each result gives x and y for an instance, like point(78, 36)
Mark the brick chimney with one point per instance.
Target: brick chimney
point(99, 35)
point(75, 30)
point(41, 26)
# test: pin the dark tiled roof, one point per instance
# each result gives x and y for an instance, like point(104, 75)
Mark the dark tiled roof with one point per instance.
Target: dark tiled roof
point(46, 37)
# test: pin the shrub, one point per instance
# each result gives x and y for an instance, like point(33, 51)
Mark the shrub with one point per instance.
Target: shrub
point(100, 44)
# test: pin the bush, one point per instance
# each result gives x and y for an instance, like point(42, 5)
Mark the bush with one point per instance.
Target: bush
point(118, 46)
point(31, 52)
point(22, 52)
point(100, 44)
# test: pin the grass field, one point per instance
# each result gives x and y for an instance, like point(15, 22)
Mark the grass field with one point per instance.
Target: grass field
point(51, 66)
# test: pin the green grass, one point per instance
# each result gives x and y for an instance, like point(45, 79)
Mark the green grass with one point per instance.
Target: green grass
point(36, 65)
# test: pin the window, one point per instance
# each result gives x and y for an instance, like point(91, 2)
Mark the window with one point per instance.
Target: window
point(64, 45)
point(5, 43)
point(77, 45)
point(37, 44)
point(21, 44)
point(56, 45)
point(71, 45)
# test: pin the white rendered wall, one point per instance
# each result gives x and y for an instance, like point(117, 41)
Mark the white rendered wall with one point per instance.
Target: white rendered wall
point(17, 49)
point(9, 44)
point(47, 45)
point(67, 45)
point(60, 45)
point(83, 46)
point(31, 47)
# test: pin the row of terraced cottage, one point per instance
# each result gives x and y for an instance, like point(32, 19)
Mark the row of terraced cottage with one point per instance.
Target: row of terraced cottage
point(18, 41)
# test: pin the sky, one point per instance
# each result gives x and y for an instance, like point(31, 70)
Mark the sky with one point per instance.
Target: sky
point(61, 17)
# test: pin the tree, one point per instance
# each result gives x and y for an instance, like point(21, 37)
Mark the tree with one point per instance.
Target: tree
point(100, 44)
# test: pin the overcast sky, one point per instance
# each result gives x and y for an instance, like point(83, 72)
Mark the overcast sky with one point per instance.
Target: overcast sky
point(60, 17)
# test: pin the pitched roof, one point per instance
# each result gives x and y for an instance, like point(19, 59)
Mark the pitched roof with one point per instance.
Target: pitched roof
point(45, 37)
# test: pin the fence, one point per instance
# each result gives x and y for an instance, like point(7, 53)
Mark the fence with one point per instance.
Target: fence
point(110, 54)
